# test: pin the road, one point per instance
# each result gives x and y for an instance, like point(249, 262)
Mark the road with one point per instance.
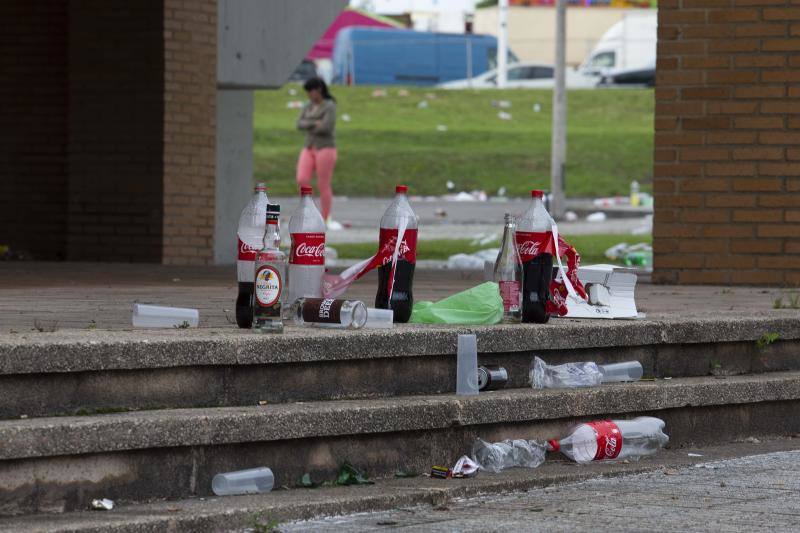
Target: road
point(754, 493)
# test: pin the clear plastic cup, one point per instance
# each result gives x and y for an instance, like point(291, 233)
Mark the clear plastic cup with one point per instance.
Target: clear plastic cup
point(620, 372)
point(467, 368)
point(156, 316)
point(251, 481)
point(379, 318)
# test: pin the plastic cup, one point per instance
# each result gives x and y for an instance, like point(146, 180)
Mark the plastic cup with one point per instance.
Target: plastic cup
point(251, 481)
point(619, 372)
point(467, 368)
point(156, 316)
point(379, 318)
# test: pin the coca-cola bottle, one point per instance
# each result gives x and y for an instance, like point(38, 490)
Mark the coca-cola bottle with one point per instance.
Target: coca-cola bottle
point(395, 281)
point(534, 237)
point(612, 440)
point(508, 272)
point(250, 235)
point(307, 255)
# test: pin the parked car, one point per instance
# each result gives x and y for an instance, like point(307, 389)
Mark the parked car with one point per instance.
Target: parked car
point(388, 56)
point(629, 44)
point(638, 77)
point(524, 76)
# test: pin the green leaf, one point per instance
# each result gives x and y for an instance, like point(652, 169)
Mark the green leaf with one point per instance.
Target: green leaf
point(349, 475)
point(306, 482)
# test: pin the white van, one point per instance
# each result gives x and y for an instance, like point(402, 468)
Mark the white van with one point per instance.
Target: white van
point(630, 44)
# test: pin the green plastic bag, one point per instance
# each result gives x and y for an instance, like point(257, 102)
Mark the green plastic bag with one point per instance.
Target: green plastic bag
point(478, 305)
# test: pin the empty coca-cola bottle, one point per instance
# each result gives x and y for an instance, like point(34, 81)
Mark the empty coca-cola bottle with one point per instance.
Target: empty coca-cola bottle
point(534, 237)
point(252, 222)
point(395, 280)
point(612, 440)
point(307, 255)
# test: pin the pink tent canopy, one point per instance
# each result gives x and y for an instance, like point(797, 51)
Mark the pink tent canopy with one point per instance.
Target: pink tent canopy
point(323, 49)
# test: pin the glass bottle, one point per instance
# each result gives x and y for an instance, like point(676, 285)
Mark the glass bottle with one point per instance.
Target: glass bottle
point(270, 277)
point(330, 313)
point(508, 273)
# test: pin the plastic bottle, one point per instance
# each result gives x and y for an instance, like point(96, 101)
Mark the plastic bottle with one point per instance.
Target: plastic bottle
point(395, 282)
point(534, 238)
point(508, 273)
point(250, 481)
point(250, 235)
point(498, 456)
point(635, 200)
point(583, 374)
point(307, 254)
point(612, 440)
point(330, 313)
point(270, 277)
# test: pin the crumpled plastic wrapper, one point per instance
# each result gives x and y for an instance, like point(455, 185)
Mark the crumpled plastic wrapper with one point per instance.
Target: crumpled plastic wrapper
point(103, 504)
point(465, 467)
point(509, 453)
point(566, 376)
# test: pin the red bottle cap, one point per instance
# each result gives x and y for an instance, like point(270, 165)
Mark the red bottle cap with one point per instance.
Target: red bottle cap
point(306, 191)
point(260, 187)
point(401, 188)
point(537, 194)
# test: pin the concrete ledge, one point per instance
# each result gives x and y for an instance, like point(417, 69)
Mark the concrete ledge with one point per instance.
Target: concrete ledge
point(238, 512)
point(47, 437)
point(83, 351)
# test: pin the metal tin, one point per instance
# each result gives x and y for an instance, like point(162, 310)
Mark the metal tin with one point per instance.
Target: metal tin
point(492, 377)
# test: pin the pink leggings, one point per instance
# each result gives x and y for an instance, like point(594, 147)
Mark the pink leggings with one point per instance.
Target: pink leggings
point(322, 160)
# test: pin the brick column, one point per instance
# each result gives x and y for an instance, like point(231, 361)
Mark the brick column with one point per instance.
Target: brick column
point(727, 156)
point(190, 89)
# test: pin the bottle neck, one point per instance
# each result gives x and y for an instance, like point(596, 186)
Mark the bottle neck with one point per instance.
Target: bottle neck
point(271, 236)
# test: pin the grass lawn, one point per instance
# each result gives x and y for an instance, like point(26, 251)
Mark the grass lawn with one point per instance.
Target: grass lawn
point(390, 140)
point(591, 247)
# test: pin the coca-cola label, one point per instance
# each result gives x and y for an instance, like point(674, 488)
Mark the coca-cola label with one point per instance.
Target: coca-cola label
point(609, 439)
point(509, 292)
point(307, 249)
point(269, 286)
point(322, 310)
point(533, 243)
point(246, 251)
point(387, 242)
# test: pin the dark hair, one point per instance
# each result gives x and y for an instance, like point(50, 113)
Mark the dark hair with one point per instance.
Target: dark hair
point(318, 83)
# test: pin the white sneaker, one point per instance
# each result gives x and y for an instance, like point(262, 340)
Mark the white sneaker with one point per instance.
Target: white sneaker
point(333, 225)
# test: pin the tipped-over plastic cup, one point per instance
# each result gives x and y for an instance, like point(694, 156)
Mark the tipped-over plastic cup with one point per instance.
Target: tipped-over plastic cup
point(251, 481)
point(156, 316)
point(467, 367)
point(619, 372)
point(379, 318)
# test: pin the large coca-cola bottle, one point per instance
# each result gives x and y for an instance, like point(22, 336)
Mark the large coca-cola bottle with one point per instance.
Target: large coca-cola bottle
point(307, 255)
point(395, 280)
point(534, 237)
point(252, 222)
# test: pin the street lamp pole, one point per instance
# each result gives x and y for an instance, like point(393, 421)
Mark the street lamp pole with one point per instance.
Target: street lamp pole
point(559, 129)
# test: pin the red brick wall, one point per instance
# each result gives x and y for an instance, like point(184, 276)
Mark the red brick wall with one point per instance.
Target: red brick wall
point(190, 85)
point(33, 127)
point(727, 162)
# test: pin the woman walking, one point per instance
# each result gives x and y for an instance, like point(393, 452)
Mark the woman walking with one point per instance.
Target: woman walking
point(318, 120)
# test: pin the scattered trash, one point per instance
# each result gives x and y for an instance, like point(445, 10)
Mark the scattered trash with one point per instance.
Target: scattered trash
point(379, 318)
point(695, 454)
point(604, 440)
point(635, 200)
point(478, 305)
point(330, 313)
point(292, 91)
point(346, 117)
point(404, 474)
point(473, 261)
point(262, 402)
point(492, 377)
point(503, 104)
point(465, 467)
point(501, 191)
point(508, 454)
point(610, 201)
point(467, 365)
point(752, 440)
point(403, 92)
point(423, 104)
point(537, 107)
point(156, 316)
point(103, 504)
point(294, 104)
point(503, 115)
point(570, 216)
point(430, 96)
point(379, 93)
point(464, 196)
point(439, 213)
point(586, 374)
point(350, 475)
point(640, 254)
point(441, 127)
point(671, 472)
point(597, 216)
point(441, 472)
point(450, 185)
point(250, 481)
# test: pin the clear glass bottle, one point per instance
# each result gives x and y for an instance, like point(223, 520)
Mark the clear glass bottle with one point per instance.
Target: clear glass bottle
point(508, 273)
point(330, 313)
point(270, 277)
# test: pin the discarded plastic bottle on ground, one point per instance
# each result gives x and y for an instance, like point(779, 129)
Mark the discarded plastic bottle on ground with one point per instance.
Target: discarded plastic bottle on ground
point(508, 272)
point(330, 313)
point(498, 456)
point(534, 237)
point(467, 365)
point(250, 234)
point(584, 374)
point(270, 277)
point(395, 282)
point(612, 440)
point(307, 255)
point(250, 481)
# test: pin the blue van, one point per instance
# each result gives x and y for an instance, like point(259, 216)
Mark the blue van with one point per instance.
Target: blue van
point(388, 56)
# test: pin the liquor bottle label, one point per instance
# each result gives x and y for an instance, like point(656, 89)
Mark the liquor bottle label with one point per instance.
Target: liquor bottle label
point(509, 292)
point(269, 286)
point(322, 310)
point(307, 249)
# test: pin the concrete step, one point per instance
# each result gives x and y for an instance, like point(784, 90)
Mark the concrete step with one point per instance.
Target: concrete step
point(59, 464)
point(85, 372)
